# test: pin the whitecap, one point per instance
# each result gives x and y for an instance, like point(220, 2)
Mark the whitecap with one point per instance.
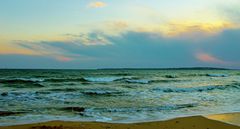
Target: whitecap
point(102, 79)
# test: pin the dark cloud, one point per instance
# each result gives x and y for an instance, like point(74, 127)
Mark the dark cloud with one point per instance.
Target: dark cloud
point(138, 49)
point(26, 61)
point(226, 45)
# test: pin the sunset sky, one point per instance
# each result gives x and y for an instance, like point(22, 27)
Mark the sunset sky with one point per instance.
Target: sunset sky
point(119, 33)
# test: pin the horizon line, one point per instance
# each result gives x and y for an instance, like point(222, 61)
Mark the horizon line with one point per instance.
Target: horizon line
point(126, 68)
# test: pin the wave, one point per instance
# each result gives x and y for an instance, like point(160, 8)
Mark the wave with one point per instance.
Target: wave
point(21, 80)
point(141, 109)
point(170, 76)
point(199, 75)
point(102, 92)
point(22, 83)
point(103, 79)
point(217, 75)
point(66, 80)
point(9, 113)
point(138, 81)
point(167, 80)
point(76, 109)
point(99, 80)
point(82, 79)
point(86, 79)
point(197, 89)
point(121, 74)
point(144, 81)
point(64, 90)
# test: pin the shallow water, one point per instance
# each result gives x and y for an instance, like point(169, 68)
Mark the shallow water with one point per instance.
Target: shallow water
point(119, 96)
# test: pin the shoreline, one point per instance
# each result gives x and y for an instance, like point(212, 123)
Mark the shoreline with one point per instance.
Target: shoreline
point(218, 121)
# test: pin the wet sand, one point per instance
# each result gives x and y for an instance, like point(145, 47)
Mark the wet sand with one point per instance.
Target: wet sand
point(232, 118)
point(195, 122)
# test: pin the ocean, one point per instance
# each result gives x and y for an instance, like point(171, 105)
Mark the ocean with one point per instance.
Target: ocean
point(115, 96)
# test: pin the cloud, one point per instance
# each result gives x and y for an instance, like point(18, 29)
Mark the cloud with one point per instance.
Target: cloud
point(169, 29)
point(53, 49)
point(35, 62)
point(187, 29)
point(43, 49)
point(115, 27)
point(140, 49)
point(231, 12)
point(97, 4)
point(64, 59)
point(225, 45)
point(6, 49)
point(131, 49)
point(204, 57)
point(89, 39)
point(120, 24)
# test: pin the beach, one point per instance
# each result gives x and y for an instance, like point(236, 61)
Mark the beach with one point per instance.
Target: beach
point(194, 122)
point(110, 64)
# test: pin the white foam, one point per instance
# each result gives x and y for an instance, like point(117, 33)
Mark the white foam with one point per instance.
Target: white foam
point(102, 79)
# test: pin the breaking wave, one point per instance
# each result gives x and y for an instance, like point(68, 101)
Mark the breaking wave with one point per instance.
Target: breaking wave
point(103, 79)
point(66, 80)
point(21, 80)
point(197, 89)
point(140, 109)
point(86, 80)
point(102, 92)
point(138, 81)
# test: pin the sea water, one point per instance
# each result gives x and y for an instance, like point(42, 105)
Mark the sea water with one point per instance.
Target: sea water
point(116, 96)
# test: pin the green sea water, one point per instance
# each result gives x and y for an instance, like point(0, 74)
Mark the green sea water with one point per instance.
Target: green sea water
point(118, 96)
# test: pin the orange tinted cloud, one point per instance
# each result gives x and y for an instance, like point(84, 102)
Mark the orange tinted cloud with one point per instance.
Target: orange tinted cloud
point(34, 50)
point(63, 58)
point(180, 28)
point(120, 24)
point(204, 57)
point(12, 49)
point(97, 4)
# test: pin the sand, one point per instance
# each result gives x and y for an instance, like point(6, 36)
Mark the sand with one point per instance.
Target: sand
point(232, 118)
point(195, 122)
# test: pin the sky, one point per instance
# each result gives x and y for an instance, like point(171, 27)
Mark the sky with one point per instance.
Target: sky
point(86, 34)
